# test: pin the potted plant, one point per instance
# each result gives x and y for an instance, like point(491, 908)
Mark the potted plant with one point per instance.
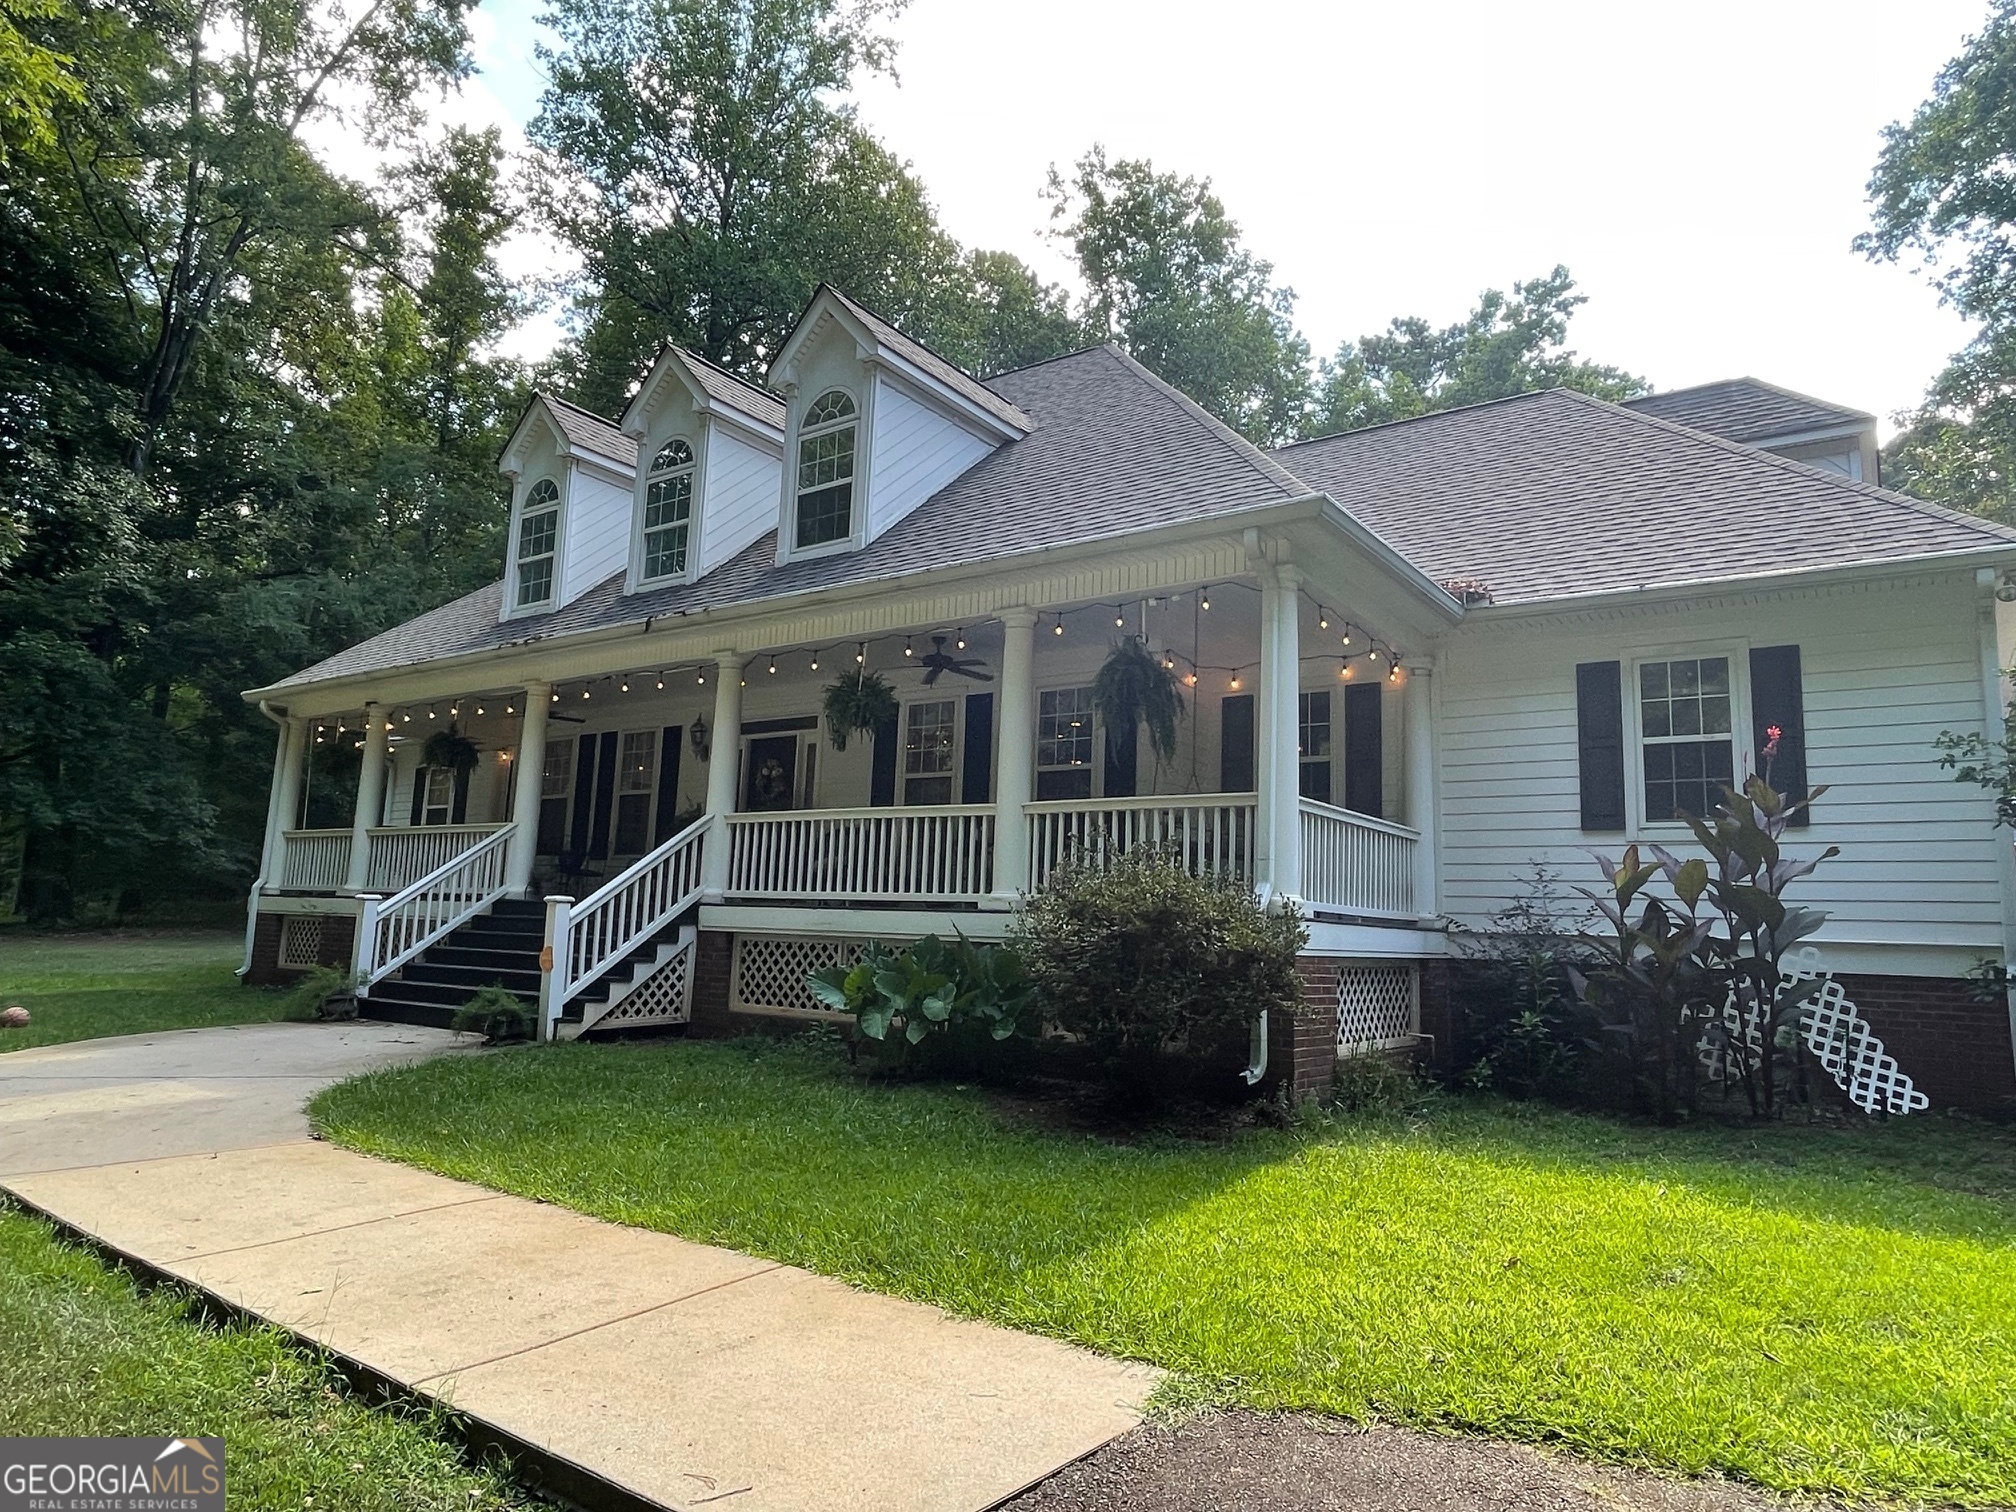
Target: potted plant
point(1133, 688)
point(450, 748)
point(862, 700)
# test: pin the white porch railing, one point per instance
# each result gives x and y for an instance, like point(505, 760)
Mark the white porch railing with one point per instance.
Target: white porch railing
point(941, 854)
point(1353, 863)
point(315, 860)
point(403, 854)
point(1213, 833)
point(590, 937)
point(392, 931)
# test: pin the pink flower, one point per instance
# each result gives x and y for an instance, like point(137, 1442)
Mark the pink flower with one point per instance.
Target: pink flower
point(1771, 744)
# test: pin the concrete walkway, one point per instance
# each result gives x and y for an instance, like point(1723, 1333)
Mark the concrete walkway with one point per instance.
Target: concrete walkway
point(675, 1374)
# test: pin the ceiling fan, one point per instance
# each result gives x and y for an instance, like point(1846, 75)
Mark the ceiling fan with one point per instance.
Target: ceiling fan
point(936, 661)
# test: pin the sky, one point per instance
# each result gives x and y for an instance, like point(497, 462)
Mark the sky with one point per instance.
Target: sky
point(1701, 169)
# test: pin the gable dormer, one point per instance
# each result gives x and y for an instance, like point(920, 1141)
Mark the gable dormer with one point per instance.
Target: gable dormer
point(572, 476)
point(875, 424)
point(710, 450)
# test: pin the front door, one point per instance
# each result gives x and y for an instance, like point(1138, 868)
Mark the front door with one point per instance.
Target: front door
point(772, 774)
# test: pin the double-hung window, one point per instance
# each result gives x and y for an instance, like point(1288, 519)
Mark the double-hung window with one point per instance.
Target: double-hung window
point(668, 510)
point(1064, 743)
point(928, 737)
point(538, 541)
point(636, 766)
point(1313, 743)
point(556, 781)
point(437, 801)
point(1686, 736)
point(826, 471)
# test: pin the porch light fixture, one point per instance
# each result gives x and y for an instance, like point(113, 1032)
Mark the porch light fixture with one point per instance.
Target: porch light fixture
point(697, 735)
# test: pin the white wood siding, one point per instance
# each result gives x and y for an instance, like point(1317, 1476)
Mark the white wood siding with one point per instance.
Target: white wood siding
point(916, 452)
point(596, 517)
point(1885, 667)
point(739, 496)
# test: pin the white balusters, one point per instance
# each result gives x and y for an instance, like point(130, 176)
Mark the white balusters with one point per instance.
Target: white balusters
point(1213, 833)
point(314, 860)
point(392, 931)
point(590, 937)
point(942, 854)
point(1352, 863)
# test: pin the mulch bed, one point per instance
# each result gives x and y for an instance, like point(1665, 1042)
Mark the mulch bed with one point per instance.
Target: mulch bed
point(1249, 1462)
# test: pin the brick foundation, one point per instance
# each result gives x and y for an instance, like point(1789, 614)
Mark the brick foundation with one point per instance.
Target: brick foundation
point(713, 962)
point(1439, 1026)
point(1956, 1049)
point(339, 938)
point(1302, 1049)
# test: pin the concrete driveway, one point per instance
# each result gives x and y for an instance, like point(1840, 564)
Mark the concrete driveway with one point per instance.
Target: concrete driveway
point(644, 1370)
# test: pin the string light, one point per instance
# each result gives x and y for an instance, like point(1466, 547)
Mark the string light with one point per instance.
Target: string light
point(454, 712)
point(1347, 637)
point(860, 653)
point(1235, 682)
point(1373, 653)
point(626, 685)
point(479, 710)
point(508, 709)
point(661, 682)
point(407, 717)
point(815, 661)
point(700, 677)
point(584, 693)
point(908, 649)
point(1344, 670)
point(1394, 675)
point(1322, 618)
point(1205, 600)
point(773, 666)
point(430, 712)
point(556, 696)
point(1119, 622)
point(1190, 679)
point(388, 727)
point(960, 643)
point(1058, 628)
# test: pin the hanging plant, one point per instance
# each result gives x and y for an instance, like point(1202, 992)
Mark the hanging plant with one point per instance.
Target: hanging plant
point(449, 748)
point(862, 700)
point(1133, 688)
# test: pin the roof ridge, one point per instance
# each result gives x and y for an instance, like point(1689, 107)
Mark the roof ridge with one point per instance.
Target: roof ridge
point(1046, 361)
point(727, 372)
point(1800, 469)
point(1763, 383)
point(1438, 414)
point(579, 409)
point(1240, 447)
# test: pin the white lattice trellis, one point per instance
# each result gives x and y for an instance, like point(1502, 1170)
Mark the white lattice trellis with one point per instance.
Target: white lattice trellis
point(300, 940)
point(664, 997)
point(1838, 1037)
point(1377, 1007)
point(770, 970)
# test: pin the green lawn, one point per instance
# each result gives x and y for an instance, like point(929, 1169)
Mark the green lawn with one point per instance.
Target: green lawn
point(1815, 1310)
point(83, 1352)
point(90, 983)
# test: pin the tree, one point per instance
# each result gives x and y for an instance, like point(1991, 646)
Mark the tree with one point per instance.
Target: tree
point(1505, 346)
point(1167, 278)
point(34, 79)
point(1944, 188)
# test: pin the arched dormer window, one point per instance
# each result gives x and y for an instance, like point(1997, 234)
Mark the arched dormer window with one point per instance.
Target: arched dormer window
point(826, 471)
point(538, 540)
point(668, 510)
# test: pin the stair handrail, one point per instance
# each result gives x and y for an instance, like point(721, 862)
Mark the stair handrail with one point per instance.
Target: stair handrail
point(392, 931)
point(586, 939)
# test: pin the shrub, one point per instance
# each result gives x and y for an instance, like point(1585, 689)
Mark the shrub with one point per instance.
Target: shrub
point(1143, 961)
point(498, 1014)
point(327, 992)
point(1519, 1027)
point(949, 1004)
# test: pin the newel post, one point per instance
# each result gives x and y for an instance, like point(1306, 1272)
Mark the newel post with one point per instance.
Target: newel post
point(553, 958)
point(1015, 766)
point(364, 949)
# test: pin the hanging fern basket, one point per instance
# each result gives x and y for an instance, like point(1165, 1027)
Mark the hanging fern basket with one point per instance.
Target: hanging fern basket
point(449, 748)
point(862, 700)
point(1133, 688)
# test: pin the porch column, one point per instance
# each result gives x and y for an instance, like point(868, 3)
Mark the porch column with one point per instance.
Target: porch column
point(283, 800)
point(370, 796)
point(1015, 765)
point(526, 784)
point(724, 766)
point(1280, 818)
point(1421, 783)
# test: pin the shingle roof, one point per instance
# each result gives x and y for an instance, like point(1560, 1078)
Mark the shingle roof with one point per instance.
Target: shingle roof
point(734, 391)
point(952, 376)
point(1747, 409)
point(1554, 494)
point(590, 432)
point(1115, 450)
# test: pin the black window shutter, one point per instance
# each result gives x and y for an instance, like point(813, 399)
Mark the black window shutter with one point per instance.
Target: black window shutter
point(1599, 734)
point(419, 795)
point(1777, 697)
point(458, 809)
point(882, 775)
point(1365, 749)
point(977, 770)
point(605, 796)
point(1120, 758)
point(584, 796)
point(1236, 761)
point(668, 783)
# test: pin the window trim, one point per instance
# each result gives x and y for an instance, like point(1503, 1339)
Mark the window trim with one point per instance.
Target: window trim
point(952, 772)
point(788, 549)
point(1741, 745)
point(520, 507)
point(639, 535)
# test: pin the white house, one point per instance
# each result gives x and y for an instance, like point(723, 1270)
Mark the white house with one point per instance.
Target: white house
point(1418, 657)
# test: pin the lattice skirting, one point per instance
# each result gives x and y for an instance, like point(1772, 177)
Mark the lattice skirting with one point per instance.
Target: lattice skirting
point(1378, 1006)
point(300, 941)
point(769, 971)
point(664, 997)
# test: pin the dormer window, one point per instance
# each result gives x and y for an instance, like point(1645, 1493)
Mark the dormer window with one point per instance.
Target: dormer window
point(538, 539)
point(826, 471)
point(668, 510)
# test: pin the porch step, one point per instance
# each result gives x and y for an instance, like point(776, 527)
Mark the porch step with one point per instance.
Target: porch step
point(499, 948)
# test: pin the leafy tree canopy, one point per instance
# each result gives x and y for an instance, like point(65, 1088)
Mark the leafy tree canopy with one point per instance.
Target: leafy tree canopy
point(1507, 345)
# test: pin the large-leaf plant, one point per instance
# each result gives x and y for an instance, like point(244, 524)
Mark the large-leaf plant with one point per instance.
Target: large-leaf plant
point(931, 987)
